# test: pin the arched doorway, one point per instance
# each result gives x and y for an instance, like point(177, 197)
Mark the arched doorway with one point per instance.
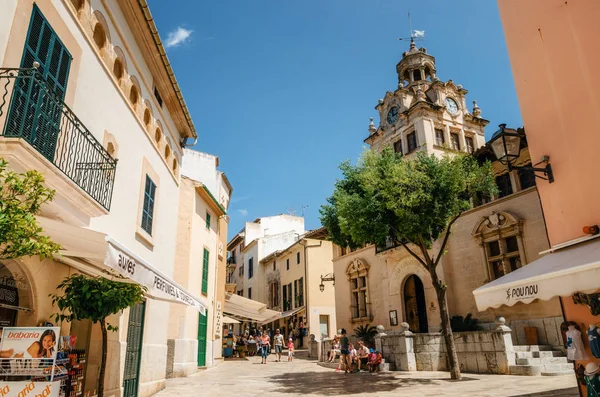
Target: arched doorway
point(415, 308)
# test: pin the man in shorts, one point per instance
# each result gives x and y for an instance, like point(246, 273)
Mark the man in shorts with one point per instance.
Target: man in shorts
point(345, 351)
point(278, 345)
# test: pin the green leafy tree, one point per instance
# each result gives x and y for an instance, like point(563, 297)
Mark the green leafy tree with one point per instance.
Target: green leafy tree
point(464, 324)
point(21, 198)
point(412, 202)
point(95, 298)
point(366, 332)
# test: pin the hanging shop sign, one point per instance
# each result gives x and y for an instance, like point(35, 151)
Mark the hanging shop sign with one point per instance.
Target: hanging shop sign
point(29, 388)
point(592, 301)
point(30, 342)
point(157, 285)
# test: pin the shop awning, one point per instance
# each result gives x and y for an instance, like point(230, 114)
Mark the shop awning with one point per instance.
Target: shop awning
point(291, 312)
point(561, 273)
point(97, 254)
point(248, 310)
point(229, 320)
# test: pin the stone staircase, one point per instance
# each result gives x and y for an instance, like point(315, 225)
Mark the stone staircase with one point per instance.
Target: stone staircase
point(533, 360)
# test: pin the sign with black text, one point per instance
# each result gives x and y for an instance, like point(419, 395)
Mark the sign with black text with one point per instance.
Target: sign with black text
point(158, 286)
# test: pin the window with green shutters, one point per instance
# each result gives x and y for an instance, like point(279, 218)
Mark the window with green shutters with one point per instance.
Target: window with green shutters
point(205, 271)
point(148, 210)
point(207, 220)
point(33, 115)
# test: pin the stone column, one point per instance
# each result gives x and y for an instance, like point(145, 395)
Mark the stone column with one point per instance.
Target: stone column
point(505, 352)
point(405, 352)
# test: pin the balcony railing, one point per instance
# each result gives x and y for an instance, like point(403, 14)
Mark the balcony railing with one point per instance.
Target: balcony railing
point(34, 113)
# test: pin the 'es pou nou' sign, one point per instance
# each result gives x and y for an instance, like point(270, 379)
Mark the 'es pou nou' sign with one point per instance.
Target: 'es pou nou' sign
point(527, 292)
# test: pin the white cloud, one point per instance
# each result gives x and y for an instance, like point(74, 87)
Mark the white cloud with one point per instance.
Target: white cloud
point(243, 212)
point(177, 37)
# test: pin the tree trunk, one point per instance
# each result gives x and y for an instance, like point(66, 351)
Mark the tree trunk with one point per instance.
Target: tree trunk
point(440, 290)
point(103, 360)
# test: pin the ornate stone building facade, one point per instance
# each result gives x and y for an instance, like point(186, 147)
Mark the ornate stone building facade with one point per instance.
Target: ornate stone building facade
point(385, 285)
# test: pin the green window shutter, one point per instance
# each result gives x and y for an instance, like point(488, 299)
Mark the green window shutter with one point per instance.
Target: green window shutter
point(205, 272)
point(148, 209)
point(207, 220)
point(35, 115)
point(202, 328)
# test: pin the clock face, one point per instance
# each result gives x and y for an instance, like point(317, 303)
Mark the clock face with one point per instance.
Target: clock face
point(451, 106)
point(392, 115)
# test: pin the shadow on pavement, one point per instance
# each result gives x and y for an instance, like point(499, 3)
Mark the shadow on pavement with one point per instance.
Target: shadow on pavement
point(570, 392)
point(333, 383)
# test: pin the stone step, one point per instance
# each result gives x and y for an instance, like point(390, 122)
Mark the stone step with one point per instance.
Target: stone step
point(561, 373)
point(525, 370)
point(536, 370)
point(532, 348)
point(542, 354)
point(541, 361)
point(558, 367)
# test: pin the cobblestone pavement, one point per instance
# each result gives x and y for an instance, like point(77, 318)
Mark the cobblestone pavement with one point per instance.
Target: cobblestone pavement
point(303, 377)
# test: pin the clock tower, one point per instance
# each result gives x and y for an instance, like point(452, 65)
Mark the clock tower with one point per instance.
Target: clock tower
point(425, 113)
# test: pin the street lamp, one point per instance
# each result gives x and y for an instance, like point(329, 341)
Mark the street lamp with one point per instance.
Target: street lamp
point(507, 148)
point(327, 277)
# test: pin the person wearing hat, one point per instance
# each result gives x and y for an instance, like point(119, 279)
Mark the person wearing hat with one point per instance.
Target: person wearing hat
point(592, 379)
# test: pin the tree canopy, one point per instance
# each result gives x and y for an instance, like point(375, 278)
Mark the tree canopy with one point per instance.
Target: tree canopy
point(21, 198)
point(385, 196)
point(94, 298)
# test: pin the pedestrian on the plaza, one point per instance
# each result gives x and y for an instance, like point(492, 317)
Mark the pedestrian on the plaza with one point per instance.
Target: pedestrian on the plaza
point(345, 352)
point(290, 347)
point(264, 348)
point(278, 345)
point(335, 349)
point(353, 358)
point(362, 356)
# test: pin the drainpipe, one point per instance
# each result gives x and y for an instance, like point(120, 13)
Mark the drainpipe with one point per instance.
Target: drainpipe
point(303, 243)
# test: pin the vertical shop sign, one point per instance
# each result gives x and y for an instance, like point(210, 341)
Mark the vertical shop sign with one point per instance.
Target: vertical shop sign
point(218, 320)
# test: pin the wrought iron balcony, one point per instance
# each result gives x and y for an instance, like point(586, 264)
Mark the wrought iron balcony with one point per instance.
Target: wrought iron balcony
point(35, 113)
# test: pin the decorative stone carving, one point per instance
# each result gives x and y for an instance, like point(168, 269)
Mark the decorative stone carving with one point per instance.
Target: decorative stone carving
point(476, 109)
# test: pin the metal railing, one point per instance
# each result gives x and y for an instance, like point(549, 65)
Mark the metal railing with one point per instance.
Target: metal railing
point(33, 111)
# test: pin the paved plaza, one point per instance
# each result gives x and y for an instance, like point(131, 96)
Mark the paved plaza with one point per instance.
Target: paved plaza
point(304, 377)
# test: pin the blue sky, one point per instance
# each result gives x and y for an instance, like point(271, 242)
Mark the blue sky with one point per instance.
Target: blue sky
point(282, 91)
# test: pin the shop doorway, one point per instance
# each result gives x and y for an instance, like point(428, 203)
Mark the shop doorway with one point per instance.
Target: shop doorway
point(202, 327)
point(415, 308)
point(133, 352)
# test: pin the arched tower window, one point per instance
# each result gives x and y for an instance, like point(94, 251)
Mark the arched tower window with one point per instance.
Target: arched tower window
point(417, 75)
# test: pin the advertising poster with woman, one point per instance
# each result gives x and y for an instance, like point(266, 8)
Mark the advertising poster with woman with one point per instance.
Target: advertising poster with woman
point(29, 342)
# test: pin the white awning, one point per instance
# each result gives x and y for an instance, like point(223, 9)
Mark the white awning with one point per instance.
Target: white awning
point(248, 309)
point(97, 254)
point(561, 273)
point(291, 312)
point(229, 320)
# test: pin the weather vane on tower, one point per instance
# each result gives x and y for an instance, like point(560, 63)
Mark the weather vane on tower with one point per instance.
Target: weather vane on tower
point(414, 34)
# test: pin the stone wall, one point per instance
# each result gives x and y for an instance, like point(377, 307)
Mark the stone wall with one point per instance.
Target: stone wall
point(483, 352)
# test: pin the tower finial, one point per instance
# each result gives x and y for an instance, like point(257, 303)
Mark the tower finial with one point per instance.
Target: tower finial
point(372, 128)
point(476, 109)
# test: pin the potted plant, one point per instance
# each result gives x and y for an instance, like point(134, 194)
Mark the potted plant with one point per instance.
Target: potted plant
point(242, 351)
